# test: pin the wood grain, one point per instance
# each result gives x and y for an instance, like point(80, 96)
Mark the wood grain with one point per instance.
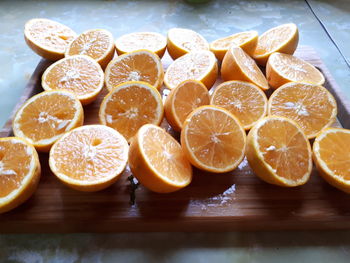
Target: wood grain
point(232, 201)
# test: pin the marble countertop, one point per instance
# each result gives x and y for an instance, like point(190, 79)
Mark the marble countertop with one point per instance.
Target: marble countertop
point(213, 20)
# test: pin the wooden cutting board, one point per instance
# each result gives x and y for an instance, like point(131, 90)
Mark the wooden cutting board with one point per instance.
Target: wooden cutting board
point(213, 202)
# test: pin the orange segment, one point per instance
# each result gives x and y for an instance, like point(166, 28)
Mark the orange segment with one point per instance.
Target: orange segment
point(157, 161)
point(89, 158)
point(279, 152)
point(237, 65)
point(141, 40)
point(79, 74)
point(46, 116)
point(196, 65)
point(213, 139)
point(182, 40)
point(332, 157)
point(245, 40)
point(95, 43)
point(182, 100)
point(48, 38)
point(283, 38)
point(19, 172)
point(284, 68)
point(311, 106)
point(141, 65)
point(129, 106)
point(244, 100)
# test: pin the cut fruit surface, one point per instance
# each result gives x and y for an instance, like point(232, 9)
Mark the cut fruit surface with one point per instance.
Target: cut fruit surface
point(284, 68)
point(141, 40)
point(244, 100)
point(89, 158)
point(180, 41)
point(129, 106)
point(19, 172)
point(95, 43)
point(311, 106)
point(213, 139)
point(141, 65)
point(46, 116)
point(196, 65)
point(237, 65)
point(279, 152)
point(48, 38)
point(79, 74)
point(331, 154)
point(182, 100)
point(283, 38)
point(157, 161)
point(245, 40)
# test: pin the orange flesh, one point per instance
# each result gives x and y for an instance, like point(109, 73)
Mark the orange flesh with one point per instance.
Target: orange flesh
point(74, 74)
point(14, 166)
point(237, 39)
point(188, 40)
point(335, 152)
point(47, 116)
point(284, 148)
point(89, 154)
point(165, 155)
point(215, 138)
point(142, 40)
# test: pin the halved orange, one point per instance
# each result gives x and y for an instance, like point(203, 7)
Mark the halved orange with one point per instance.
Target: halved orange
point(157, 161)
point(141, 65)
point(95, 43)
point(151, 41)
point(182, 100)
point(48, 38)
point(237, 65)
point(182, 40)
point(19, 172)
point(312, 107)
point(246, 40)
point(331, 154)
point(196, 65)
point(283, 38)
point(284, 68)
point(244, 100)
point(46, 116)
point(279, 152)
point(129, 106)
point(89, 158)
point(213, 139)
point(79, 74)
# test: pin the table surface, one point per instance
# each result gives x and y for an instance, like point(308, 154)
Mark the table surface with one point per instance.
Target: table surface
point(213, 20)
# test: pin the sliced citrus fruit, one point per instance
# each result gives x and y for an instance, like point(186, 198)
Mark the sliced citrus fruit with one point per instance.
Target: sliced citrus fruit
point(141, 40)
point(279, 152)
point(157, 161)
point(79, 74)
point(213, 139)
point(237, 65)
point(129, 106)
point(89, 158)
point(182, 100)
point(48, 38)
point(331, 154)
point(95, 43)
point(244, 100)
point(141, 65)
point(283, 38)
point(311, 106)
point(196, 65)
point(246, 40)
point(19, 172)
point(46, 116)
point(182, 40)
point(284, 68)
